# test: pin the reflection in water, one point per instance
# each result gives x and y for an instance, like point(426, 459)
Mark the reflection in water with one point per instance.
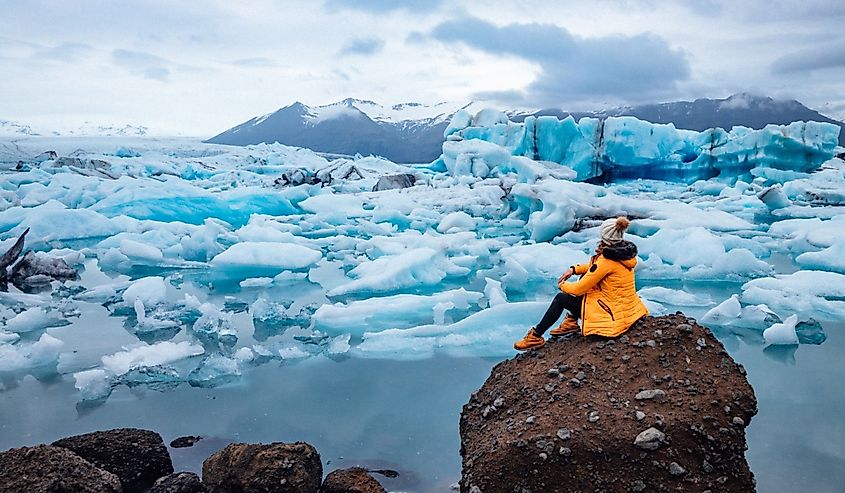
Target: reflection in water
point(403, 415)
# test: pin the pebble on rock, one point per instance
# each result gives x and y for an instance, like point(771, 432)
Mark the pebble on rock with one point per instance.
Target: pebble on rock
point(650, 439)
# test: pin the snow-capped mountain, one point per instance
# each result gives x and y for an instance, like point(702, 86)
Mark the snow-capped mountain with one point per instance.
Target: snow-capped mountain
point(407, 132)
point(14, 129)
point(413, 132)
point(10, 128)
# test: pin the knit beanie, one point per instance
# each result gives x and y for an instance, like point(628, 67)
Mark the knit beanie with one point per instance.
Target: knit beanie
point(613, 229)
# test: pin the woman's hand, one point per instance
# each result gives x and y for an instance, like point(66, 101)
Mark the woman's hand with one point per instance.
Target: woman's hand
point(566, 275)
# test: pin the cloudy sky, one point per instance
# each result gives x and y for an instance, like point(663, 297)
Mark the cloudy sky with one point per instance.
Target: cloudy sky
point(199, 67)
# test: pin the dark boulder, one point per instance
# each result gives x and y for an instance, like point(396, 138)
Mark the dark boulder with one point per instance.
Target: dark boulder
point(137, 457)
point(352, 480)
point(180, 482)
point(392, 182)
point(46, 469)
point(258, 468)
point(661, 408)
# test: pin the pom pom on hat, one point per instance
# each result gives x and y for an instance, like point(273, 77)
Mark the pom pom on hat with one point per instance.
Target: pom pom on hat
point(612, 230)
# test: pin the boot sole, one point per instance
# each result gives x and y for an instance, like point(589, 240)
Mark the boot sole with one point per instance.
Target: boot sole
point(529, 347)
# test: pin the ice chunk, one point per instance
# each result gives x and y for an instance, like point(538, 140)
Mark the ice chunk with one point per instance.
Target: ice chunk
point(782, 333)
point(378, 313)
point(473, 157)
point(215, 325)
point(338, 344)
point(420, 266)
point(266, 255)
point(724, 312)
point(161, 353)
point(806, 291)
point(831, 258)
point(537, 262)
point(673, 297)
point(774, 198)
point(140, 251)
point(456, 221)
point(470, 336)
point(214, 370)
point(256, 282)
point(35, 318)
point(810, 332)
point(494, 293)
point(150, 290)
point(94, 384)
point(22, 356)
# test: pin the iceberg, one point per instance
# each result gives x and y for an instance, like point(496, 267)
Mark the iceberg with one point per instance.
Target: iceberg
point(266, 255)
point(626, 147)
point(161, 353)
point(215, 370)
point(397, 311)
point(35, 318)
point(24, 356)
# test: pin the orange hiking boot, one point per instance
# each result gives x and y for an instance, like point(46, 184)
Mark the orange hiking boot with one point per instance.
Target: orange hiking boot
point(530, 341)
point(568, 326)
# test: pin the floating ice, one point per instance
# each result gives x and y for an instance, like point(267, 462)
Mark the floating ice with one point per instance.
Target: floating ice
point(831, 258)
point(378, 313)
point(490, 332)
point(782, 333)
point(806, 291)
point(161, 353)
point(35, 318)
point(456, 221)
point(673, 297)
point(215, 370)
point(23, 356)
point(93, 384)
point(215, 325)
point(494, 293)
point(150, 290)
point(724, 312)
point(418, 267)
point(266, 255)
point(256, 282)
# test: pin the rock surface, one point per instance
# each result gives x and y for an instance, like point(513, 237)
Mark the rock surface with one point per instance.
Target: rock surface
point(47, 469)
point(258, 468)
point(180, 482)
point(352, 480)
point(531, 429)
point(137, 457)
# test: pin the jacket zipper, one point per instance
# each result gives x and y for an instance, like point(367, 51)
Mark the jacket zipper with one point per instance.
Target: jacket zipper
point(606, 308)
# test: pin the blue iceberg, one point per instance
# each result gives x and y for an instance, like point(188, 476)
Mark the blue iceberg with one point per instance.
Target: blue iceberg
point(626, 147)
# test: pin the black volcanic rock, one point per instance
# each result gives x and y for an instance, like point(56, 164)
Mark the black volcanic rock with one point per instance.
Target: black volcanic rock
point(661, 408)
point(137, 457)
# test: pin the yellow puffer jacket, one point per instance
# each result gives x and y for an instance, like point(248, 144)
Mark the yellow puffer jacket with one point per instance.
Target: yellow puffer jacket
point(611, 304)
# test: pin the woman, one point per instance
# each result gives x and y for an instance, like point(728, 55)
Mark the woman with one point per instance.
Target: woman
point(605, 298)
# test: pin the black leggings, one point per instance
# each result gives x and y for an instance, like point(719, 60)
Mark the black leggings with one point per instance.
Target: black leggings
point(562, 301)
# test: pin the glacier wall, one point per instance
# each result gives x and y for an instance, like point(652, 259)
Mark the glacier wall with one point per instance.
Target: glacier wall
point(626, 147)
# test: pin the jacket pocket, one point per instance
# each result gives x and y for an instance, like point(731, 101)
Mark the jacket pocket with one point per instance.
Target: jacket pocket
point(606, 308)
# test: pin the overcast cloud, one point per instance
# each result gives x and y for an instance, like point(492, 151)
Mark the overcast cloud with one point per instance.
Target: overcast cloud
point(197, 68)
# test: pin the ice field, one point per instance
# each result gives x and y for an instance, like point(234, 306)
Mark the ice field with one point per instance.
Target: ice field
point(263, 276)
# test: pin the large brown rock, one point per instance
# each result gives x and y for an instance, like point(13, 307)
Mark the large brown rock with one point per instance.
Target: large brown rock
point(352, 480)
point(46, 469)
point(137, 457)
point(258, 468)
point(179, 482)
point(661, 408)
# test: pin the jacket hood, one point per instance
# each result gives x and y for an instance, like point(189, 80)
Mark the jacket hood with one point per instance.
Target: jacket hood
point(623, 252)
